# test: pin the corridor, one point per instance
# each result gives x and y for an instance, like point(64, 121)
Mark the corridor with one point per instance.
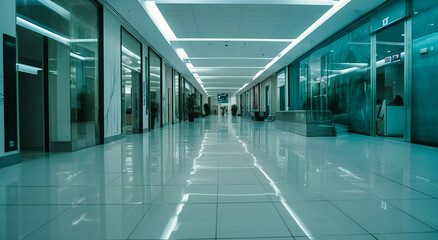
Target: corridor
point(225, 178)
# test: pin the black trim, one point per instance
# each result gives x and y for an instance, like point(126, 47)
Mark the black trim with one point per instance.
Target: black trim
point(46, 94)
point(161, 91)
point(113, 138)
point(10, 93)
point(140, 84)
point(101, 83)
point(9, 160)
point(122, 113)
point(149, 89)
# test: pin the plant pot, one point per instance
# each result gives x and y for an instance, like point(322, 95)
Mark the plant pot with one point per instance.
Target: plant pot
point(152, 122)
point(192, 117)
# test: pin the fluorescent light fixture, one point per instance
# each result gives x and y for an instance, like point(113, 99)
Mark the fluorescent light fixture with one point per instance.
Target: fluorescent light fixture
point(222, 87)
point(56, 8)
point(242, 87)
point(206, 68)
point(156, 16)
point(128, 52)
point(258, 74)
point(226, 76)
point(28, 69)
point(228, 58)
point(91, 40)
point(33, 27)
point(337, 5)
point(230, 40)
point(182, 53)
point(190, 67)
point(81, 58)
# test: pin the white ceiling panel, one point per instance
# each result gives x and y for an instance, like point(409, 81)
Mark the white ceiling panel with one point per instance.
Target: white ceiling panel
point(230, 62)
point(240, 20)
point(232, 49)
point(226, 72)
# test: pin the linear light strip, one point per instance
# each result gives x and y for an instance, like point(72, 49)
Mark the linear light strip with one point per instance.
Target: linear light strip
point(227, 58)
point(229, 67)
point(130, 53)
point(56, 8)
point(159, 20)
point(338, 5)
point(230, 40)
point(33, 27)
point(28, 69)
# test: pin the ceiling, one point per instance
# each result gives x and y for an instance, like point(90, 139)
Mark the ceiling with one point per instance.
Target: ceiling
point(228, 46)
point(228, 43)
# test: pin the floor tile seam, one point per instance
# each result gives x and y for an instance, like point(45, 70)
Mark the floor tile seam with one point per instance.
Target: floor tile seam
point(345, 214)
point(121, 176)
point(385, 177)
point(274, 205)
point(47, 222)
point(391, 180)
point(394, 206)
point(217, 197)
point(152, 203)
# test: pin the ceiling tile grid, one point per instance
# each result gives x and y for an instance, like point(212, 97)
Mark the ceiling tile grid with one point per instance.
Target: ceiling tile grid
point(220, 56)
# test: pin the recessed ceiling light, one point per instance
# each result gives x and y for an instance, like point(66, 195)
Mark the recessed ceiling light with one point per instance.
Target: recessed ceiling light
point(229, 40)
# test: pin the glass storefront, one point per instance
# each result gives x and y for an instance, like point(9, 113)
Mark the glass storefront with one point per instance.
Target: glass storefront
point(335, 77)
point(59, 41)
point(425, 72)
point(176, 78)
point(155, 89)
point(131, 82)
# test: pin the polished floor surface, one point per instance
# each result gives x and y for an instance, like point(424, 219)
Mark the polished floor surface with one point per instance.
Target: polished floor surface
point(225, 178)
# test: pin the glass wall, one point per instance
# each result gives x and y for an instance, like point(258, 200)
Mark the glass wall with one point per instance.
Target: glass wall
point(70, 67)
point(176, 78)
point(281, 89)
point(425, 72)
point(131, 82)
point(155, 88)
point(335, 77)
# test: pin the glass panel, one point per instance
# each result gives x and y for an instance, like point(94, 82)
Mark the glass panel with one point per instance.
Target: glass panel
point(281, 86)
point(359, 77)
point(176, 89)
point(131, 79)
point(423, 5)
point(303, 100)
point(425, 75)
point(390, 81)
point(72, 65)
point(155, 88)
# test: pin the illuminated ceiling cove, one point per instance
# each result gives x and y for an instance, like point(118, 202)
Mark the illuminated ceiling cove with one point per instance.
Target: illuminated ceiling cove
point(227, 44)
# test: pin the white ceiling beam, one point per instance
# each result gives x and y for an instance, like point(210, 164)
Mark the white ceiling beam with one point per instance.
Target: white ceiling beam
point(230, 40)
point(279, 2)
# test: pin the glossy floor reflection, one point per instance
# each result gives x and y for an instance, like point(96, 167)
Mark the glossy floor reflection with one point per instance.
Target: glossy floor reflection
point(225, 178)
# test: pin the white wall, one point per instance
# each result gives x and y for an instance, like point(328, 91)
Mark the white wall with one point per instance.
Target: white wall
point(7, 26)
point(112, 78)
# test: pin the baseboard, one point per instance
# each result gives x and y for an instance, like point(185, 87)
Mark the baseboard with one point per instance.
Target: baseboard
point(112, 138)
point(9, 160)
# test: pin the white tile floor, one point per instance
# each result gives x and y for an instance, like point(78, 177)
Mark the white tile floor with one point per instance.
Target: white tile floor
point(224, 178)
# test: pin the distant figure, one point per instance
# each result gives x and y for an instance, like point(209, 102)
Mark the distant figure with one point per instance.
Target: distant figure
point(398, 101)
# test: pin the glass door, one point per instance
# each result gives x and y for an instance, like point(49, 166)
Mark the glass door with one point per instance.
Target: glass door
point(390, 77)
point(267, 101)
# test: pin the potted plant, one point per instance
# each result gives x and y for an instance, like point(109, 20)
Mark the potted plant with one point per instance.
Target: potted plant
point(206, 109)
point(234, 110)
point(191, 106)
point(154, 111)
